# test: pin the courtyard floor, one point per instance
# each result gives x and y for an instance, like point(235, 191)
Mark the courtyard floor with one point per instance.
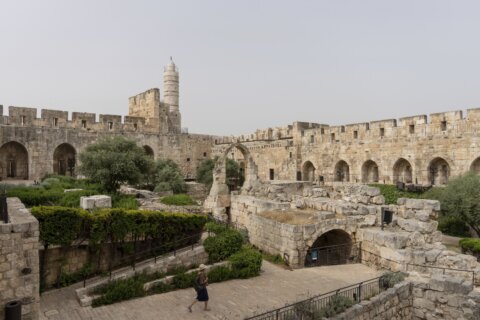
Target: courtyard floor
point(234, 299)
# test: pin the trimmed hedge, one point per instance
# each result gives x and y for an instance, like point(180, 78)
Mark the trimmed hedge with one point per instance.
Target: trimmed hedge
point(470, 245)
point(223, 245)
point(246, 263)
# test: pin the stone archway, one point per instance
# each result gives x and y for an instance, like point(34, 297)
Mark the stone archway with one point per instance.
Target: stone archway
point(475, 167)
point(64, 160)
point(149, 151)
point(308, 171)
point(402, 171)
point(438, 172)
point(342, 171)
point(330, 248)
point(13, 161)
point(370, 172)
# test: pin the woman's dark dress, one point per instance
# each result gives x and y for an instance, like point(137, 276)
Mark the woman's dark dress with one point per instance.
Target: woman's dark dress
point(202, 293)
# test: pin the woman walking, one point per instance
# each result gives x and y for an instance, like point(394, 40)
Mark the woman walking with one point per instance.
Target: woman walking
point(201, 283)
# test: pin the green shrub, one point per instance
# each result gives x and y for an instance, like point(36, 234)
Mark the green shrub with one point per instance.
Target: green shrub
point(120, 290)
point(178, 200)
point(470, 245)
point(389, 279)
point(36, 196)
point(162, 187)
point(220, 274)
point(67, 279)
point(161, 288)
point(72, 199)
point(184, 280)
point(124, 201)
point(246, 263)
point(168, 171)
point(215, 228)
point(336, 305)
point(273, 258)
point(392, 194)
point(453, 226)
point(222, 246)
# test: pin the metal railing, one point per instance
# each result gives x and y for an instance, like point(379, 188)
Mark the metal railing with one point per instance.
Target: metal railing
point(303, 310)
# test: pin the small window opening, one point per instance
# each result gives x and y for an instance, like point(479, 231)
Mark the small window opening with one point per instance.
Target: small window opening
point(272, 174)
point(367, 126)
point(299, 175)
point(382, 132)
point(444, 125)
point(332, 136)
point(135, 126)
point(84, 123)
point(342, 129)
point(22, 120)
point(204, 154)
point(302, 133)
point(411, 128)
point(322, 131)
point(355, 134)
point(215, 141)
point(55, 122)
point(110, 126)
point(188, 159)
point(290, 155)
point(312, 139)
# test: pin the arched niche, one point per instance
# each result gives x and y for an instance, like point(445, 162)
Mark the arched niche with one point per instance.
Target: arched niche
point(13, 161)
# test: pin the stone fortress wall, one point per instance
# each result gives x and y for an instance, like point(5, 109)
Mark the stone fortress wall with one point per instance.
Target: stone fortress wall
point(411, 150)
point(31, 146)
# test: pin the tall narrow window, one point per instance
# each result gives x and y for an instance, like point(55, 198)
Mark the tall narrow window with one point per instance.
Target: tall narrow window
point(204, 154)
point(84, 123)
point(110, 126)
point(367, 126)
point(290, 155)
point(382, 132)
point(322, 131)
point(444, 125)
point(55, 122)
point(135, 126)
point(312, 139)
point(22, 120)
point(272, 174)
point(411, 129)
point(355, 134)
point(332, 137)
point(342, 129)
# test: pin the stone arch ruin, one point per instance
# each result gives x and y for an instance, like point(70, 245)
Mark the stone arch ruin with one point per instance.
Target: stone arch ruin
point(438, 171)
point(330, 248)
point(64, 160)
point(370, 171)
point(342, 171)
point(13, 161)
point(402, 171)
point(475, 166)
point(308, 171)
point(149, 151)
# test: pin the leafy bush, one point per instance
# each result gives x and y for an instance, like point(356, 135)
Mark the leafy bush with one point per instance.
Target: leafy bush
point(162, 187)
point(453, 226)
point(120, 290)
point(215, 228)
point(184, 280)
point(470, 245)
point(389, 279)
point(392, 194)
point(273, 258)
point(72, 199)
point(168, 171)
point(178, 200)
point(67, 279)
point(161, 288)
point(114, 161)
point(124, 201)
point(220, 274)
point(222, 246)
point(246, 263)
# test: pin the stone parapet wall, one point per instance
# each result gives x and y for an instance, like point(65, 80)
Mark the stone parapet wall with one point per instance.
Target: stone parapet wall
point(19, 263)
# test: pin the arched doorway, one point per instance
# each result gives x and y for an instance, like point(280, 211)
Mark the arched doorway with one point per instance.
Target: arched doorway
point(64, 160)
point(370, 172)
point(13, 161)
point(331, 248)
point(402, 171)
point(342, 171)
point(475, 167)
point(308, 171)
point(438, 172)
point(148, 151)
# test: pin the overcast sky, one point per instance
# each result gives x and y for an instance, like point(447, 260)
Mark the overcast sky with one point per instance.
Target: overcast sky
point(244, 64)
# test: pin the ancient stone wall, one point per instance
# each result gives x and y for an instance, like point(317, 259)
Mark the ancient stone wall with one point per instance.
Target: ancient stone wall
point(19, 263)
point(411, 150)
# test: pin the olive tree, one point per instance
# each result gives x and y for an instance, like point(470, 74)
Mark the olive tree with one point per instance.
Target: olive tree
point(114, 161)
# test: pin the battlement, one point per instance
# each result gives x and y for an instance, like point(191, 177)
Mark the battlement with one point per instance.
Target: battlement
point(49, 118)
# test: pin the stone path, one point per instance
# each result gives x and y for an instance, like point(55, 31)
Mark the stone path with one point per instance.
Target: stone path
point(234, 299)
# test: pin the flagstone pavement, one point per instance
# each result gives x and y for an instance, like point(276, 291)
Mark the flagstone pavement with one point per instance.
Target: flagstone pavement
point(234, 299)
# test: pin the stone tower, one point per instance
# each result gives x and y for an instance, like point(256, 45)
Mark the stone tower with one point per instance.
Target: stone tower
point(171, 95)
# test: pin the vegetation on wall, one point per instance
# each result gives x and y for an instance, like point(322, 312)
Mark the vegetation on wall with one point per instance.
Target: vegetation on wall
point(115, 161)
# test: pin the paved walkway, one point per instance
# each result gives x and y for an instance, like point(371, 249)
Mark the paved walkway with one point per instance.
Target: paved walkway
point(234, 299)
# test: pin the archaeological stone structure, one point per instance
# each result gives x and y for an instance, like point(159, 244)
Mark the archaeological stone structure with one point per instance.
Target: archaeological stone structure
point(32, 147)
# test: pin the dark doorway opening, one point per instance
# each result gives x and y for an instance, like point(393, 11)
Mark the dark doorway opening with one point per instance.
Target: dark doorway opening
point(332, 248)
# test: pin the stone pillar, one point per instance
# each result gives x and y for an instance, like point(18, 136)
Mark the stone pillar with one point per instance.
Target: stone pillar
point(19, 262)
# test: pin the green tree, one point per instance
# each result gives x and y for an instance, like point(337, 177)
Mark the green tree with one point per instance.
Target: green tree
point(114, 161)
point(168, 176)
point(235, 176)
point(461, 200)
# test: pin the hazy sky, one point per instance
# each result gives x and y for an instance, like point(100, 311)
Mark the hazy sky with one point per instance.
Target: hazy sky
point(244, 64)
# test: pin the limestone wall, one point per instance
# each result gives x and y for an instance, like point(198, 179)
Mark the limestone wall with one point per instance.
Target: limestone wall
point(19, 263)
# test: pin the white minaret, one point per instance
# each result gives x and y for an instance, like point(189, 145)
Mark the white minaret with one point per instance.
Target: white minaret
point(170, 86)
